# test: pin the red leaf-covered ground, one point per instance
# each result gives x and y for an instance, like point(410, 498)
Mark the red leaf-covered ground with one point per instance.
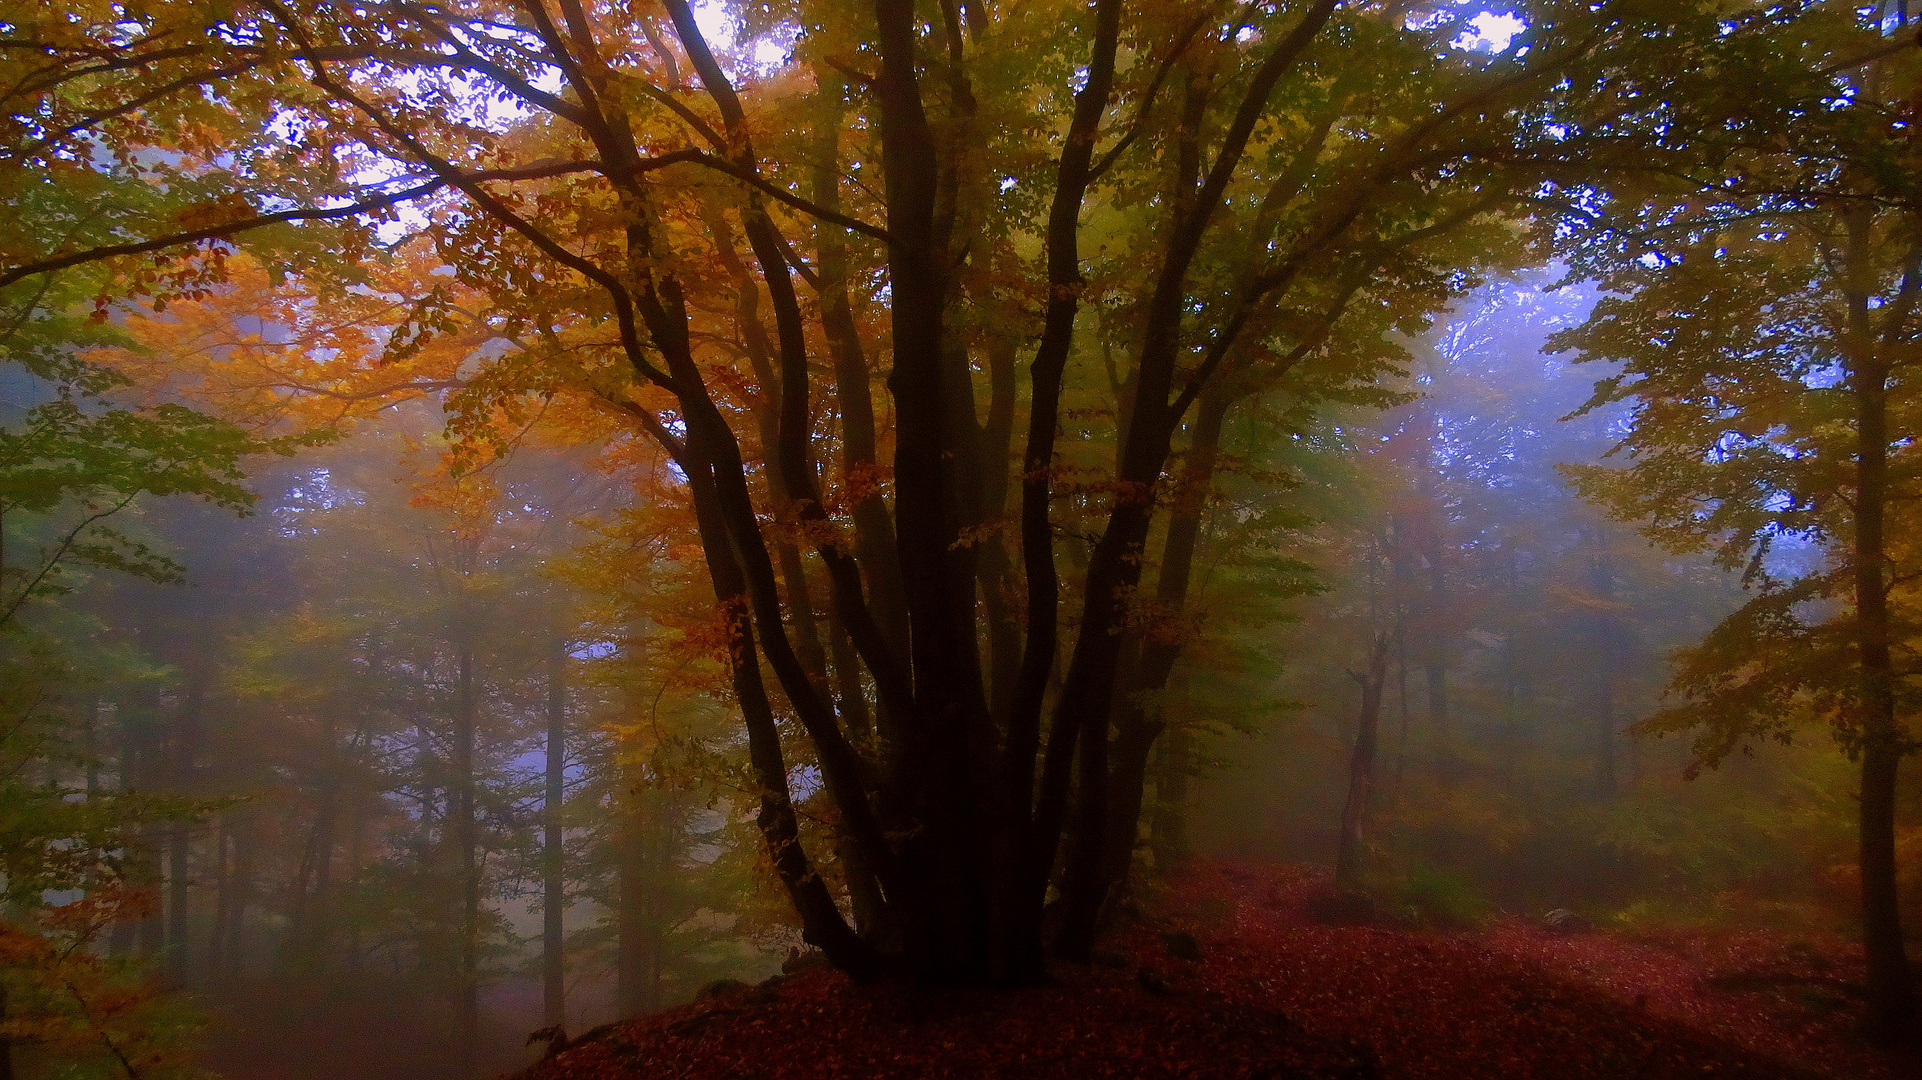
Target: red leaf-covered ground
point(1277, 994)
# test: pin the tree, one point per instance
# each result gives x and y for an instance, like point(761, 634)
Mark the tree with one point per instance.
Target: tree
point(1766, 273)
point(1266, 173)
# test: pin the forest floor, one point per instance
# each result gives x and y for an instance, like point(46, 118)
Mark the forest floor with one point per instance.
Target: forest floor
point(1275, 993)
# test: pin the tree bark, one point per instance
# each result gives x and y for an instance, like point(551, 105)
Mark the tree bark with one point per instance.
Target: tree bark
point(638, 918)
point(1136, 727)
point(464, 832)
point(1114, 569)
point(186, 744)
point(1890, 1015)
point(223, 898)
point(1606, 634)
point(1028, 833)
point(1357, 812)
point(553, 855)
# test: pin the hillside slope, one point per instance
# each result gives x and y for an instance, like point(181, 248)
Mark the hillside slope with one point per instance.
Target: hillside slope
point(1275, 994)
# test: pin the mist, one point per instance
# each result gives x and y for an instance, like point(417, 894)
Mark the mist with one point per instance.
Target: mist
point(1295, 539)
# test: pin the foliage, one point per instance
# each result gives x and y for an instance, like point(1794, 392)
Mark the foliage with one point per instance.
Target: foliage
point(85, 1014)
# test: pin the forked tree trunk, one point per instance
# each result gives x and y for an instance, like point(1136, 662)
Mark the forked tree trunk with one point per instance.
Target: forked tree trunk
point(1357, 812)
point(1138, 726)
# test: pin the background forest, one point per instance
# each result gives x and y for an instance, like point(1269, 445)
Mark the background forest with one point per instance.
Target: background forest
point(475, 526)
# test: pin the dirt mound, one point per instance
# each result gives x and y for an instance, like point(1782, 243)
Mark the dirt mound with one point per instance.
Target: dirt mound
point(1234, 978)
point(817, 1024)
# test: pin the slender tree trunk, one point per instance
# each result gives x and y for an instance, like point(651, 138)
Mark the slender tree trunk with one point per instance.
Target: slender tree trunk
point(1606, 634)
point(90, 746)
point(180, 835)
point(1136, 728)
point(6, 1044)
point(1358, 811)
point(234, 950)
point(1891, 993)
point(465, 835)
point(638, 929)
point(1169, 829)
point(306, 922)
point(140, 770)
point(223, 900)
point(553, 857)
point(1402, 707)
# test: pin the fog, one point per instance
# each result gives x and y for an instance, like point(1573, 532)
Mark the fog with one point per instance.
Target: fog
point(302, 692)
point(1303, 538)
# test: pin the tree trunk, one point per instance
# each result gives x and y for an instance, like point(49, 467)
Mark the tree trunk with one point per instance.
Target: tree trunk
point(1890, 1015)
point(234, 949)
point(553, 857)
point(1169, 828)
point(6, 1044)
point(1136, 727)
point(1605, 635)
point(313, 884)
point(466, 837)
point(180, 834)
point(632, 956)
point(1358, 811)
point(223, 899)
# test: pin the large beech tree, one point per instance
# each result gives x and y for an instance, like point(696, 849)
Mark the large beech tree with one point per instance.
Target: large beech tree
point(1068, 239)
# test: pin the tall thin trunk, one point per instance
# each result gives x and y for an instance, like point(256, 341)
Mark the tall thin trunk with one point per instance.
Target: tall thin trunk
point(90, 746)
point(553, 857)
point(180, 834)
point(466, 839)
point(643, 841)
point(223, 899)
point(1136, 726)
point(1028, 828)
point(1606, 634)
point(233, 949)
point(1169, 828)
point(1358, 811)
point(1891, 998)
point(313, 883)
point(1114, 569)
point(6, 1044)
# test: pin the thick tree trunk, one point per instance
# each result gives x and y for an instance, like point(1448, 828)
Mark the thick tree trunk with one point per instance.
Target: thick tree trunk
point(553, 856)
